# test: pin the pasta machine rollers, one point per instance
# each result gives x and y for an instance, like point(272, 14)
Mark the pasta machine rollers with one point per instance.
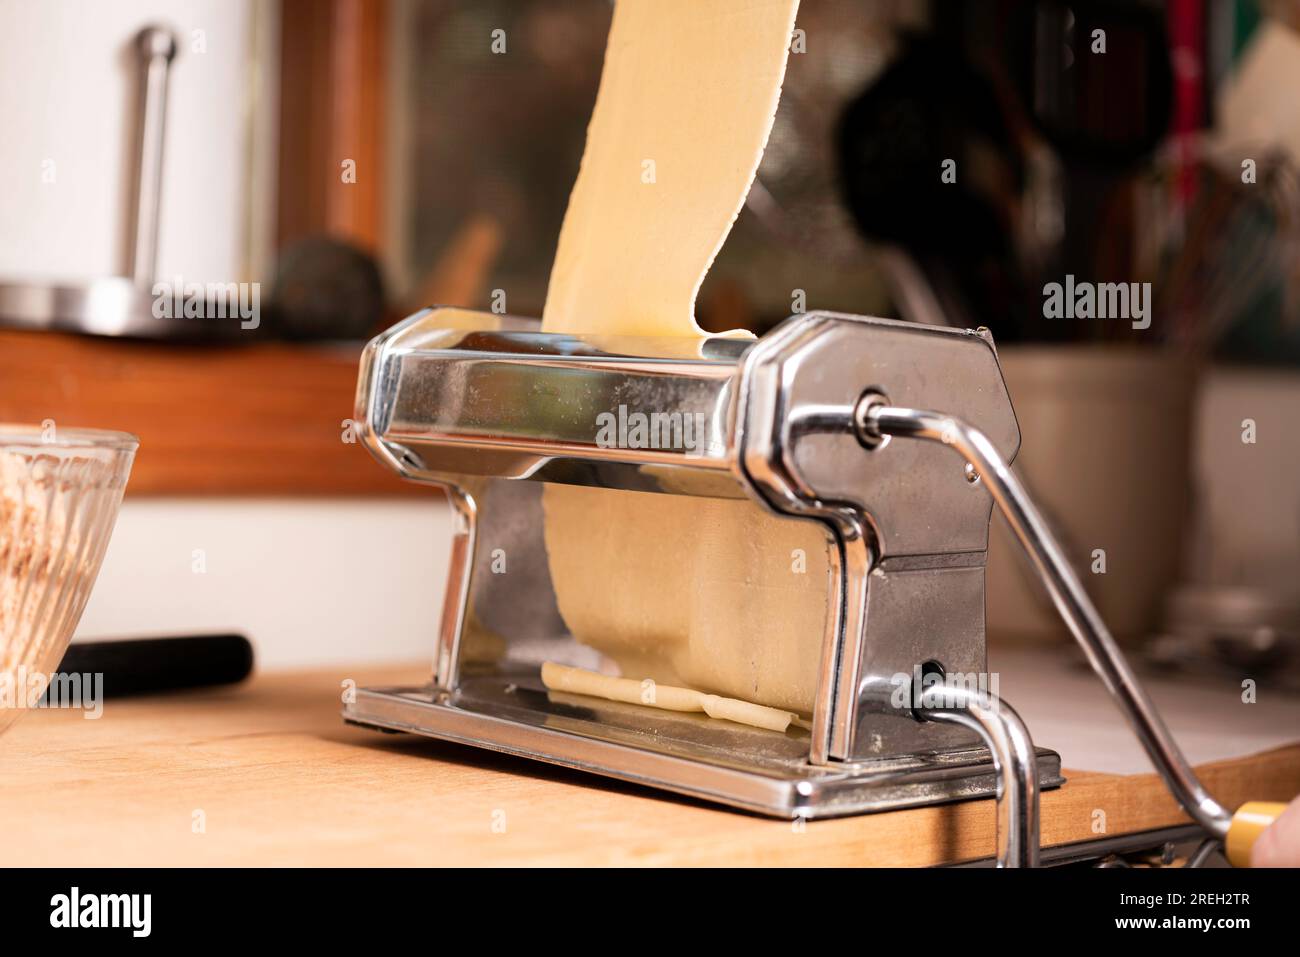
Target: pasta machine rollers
point(822, 420)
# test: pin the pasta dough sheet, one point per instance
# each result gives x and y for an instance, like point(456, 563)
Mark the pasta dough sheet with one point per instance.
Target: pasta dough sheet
point(655, 695)
point(686, 101)
point(710, 593)
point(716, 594)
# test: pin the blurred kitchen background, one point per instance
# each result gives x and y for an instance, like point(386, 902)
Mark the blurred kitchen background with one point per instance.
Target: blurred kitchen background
point(361, 158)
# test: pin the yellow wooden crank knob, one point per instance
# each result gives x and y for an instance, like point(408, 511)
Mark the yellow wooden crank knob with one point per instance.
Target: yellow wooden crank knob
point(1247, 825)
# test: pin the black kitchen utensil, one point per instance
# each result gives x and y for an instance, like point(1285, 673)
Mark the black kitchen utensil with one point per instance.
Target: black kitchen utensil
point(150, 665)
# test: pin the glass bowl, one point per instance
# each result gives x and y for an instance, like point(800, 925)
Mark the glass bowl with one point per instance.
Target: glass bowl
point(60, 490)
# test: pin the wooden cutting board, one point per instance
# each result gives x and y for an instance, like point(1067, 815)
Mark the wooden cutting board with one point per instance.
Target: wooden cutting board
point(266, 773)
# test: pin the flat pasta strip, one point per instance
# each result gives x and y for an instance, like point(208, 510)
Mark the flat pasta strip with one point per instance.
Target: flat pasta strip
point(650, 694)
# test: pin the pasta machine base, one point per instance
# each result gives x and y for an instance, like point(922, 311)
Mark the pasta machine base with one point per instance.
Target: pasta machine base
point(749, 768)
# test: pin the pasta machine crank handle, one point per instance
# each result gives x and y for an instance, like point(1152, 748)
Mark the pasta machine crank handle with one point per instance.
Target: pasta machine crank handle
point(875, 421)
point(1014, 763)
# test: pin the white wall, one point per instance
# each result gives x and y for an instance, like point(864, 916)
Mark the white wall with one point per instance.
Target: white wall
point(310, 582)
point(1250, 492)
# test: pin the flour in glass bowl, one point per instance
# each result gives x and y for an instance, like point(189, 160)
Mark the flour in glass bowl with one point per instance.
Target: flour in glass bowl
point(58, 503)
point(33, 525)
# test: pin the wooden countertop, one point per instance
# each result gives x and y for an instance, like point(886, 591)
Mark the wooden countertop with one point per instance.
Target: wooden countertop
point(276, 778)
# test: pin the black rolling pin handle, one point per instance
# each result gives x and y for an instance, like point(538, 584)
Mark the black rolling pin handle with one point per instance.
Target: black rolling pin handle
point(149, 665)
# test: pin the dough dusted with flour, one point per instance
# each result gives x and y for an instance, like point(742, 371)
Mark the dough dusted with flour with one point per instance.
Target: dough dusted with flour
point(686, 101)
point(655, 695)
point(703, 592)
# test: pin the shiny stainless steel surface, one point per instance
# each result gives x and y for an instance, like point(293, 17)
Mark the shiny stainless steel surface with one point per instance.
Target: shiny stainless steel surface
point(1072, 602)
point(1205, 852)
point(157, 48)
point(816, 366)
point(449, 394)
point(915, 614)
point(460, 573)
point(908, 529)
point(472, 402)
point(748, 768)
point(516, 403)
point(114, 306)
point(1012, 748)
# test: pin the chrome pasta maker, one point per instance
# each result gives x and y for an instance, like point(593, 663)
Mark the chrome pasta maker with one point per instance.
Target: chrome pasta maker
point(840, 420)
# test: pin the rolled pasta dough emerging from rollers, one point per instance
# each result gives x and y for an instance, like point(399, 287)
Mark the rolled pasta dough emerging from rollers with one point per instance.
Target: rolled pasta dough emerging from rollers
point(712, 593)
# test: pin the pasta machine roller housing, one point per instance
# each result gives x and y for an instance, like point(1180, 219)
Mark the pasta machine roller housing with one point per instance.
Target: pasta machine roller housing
point(476, 403)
